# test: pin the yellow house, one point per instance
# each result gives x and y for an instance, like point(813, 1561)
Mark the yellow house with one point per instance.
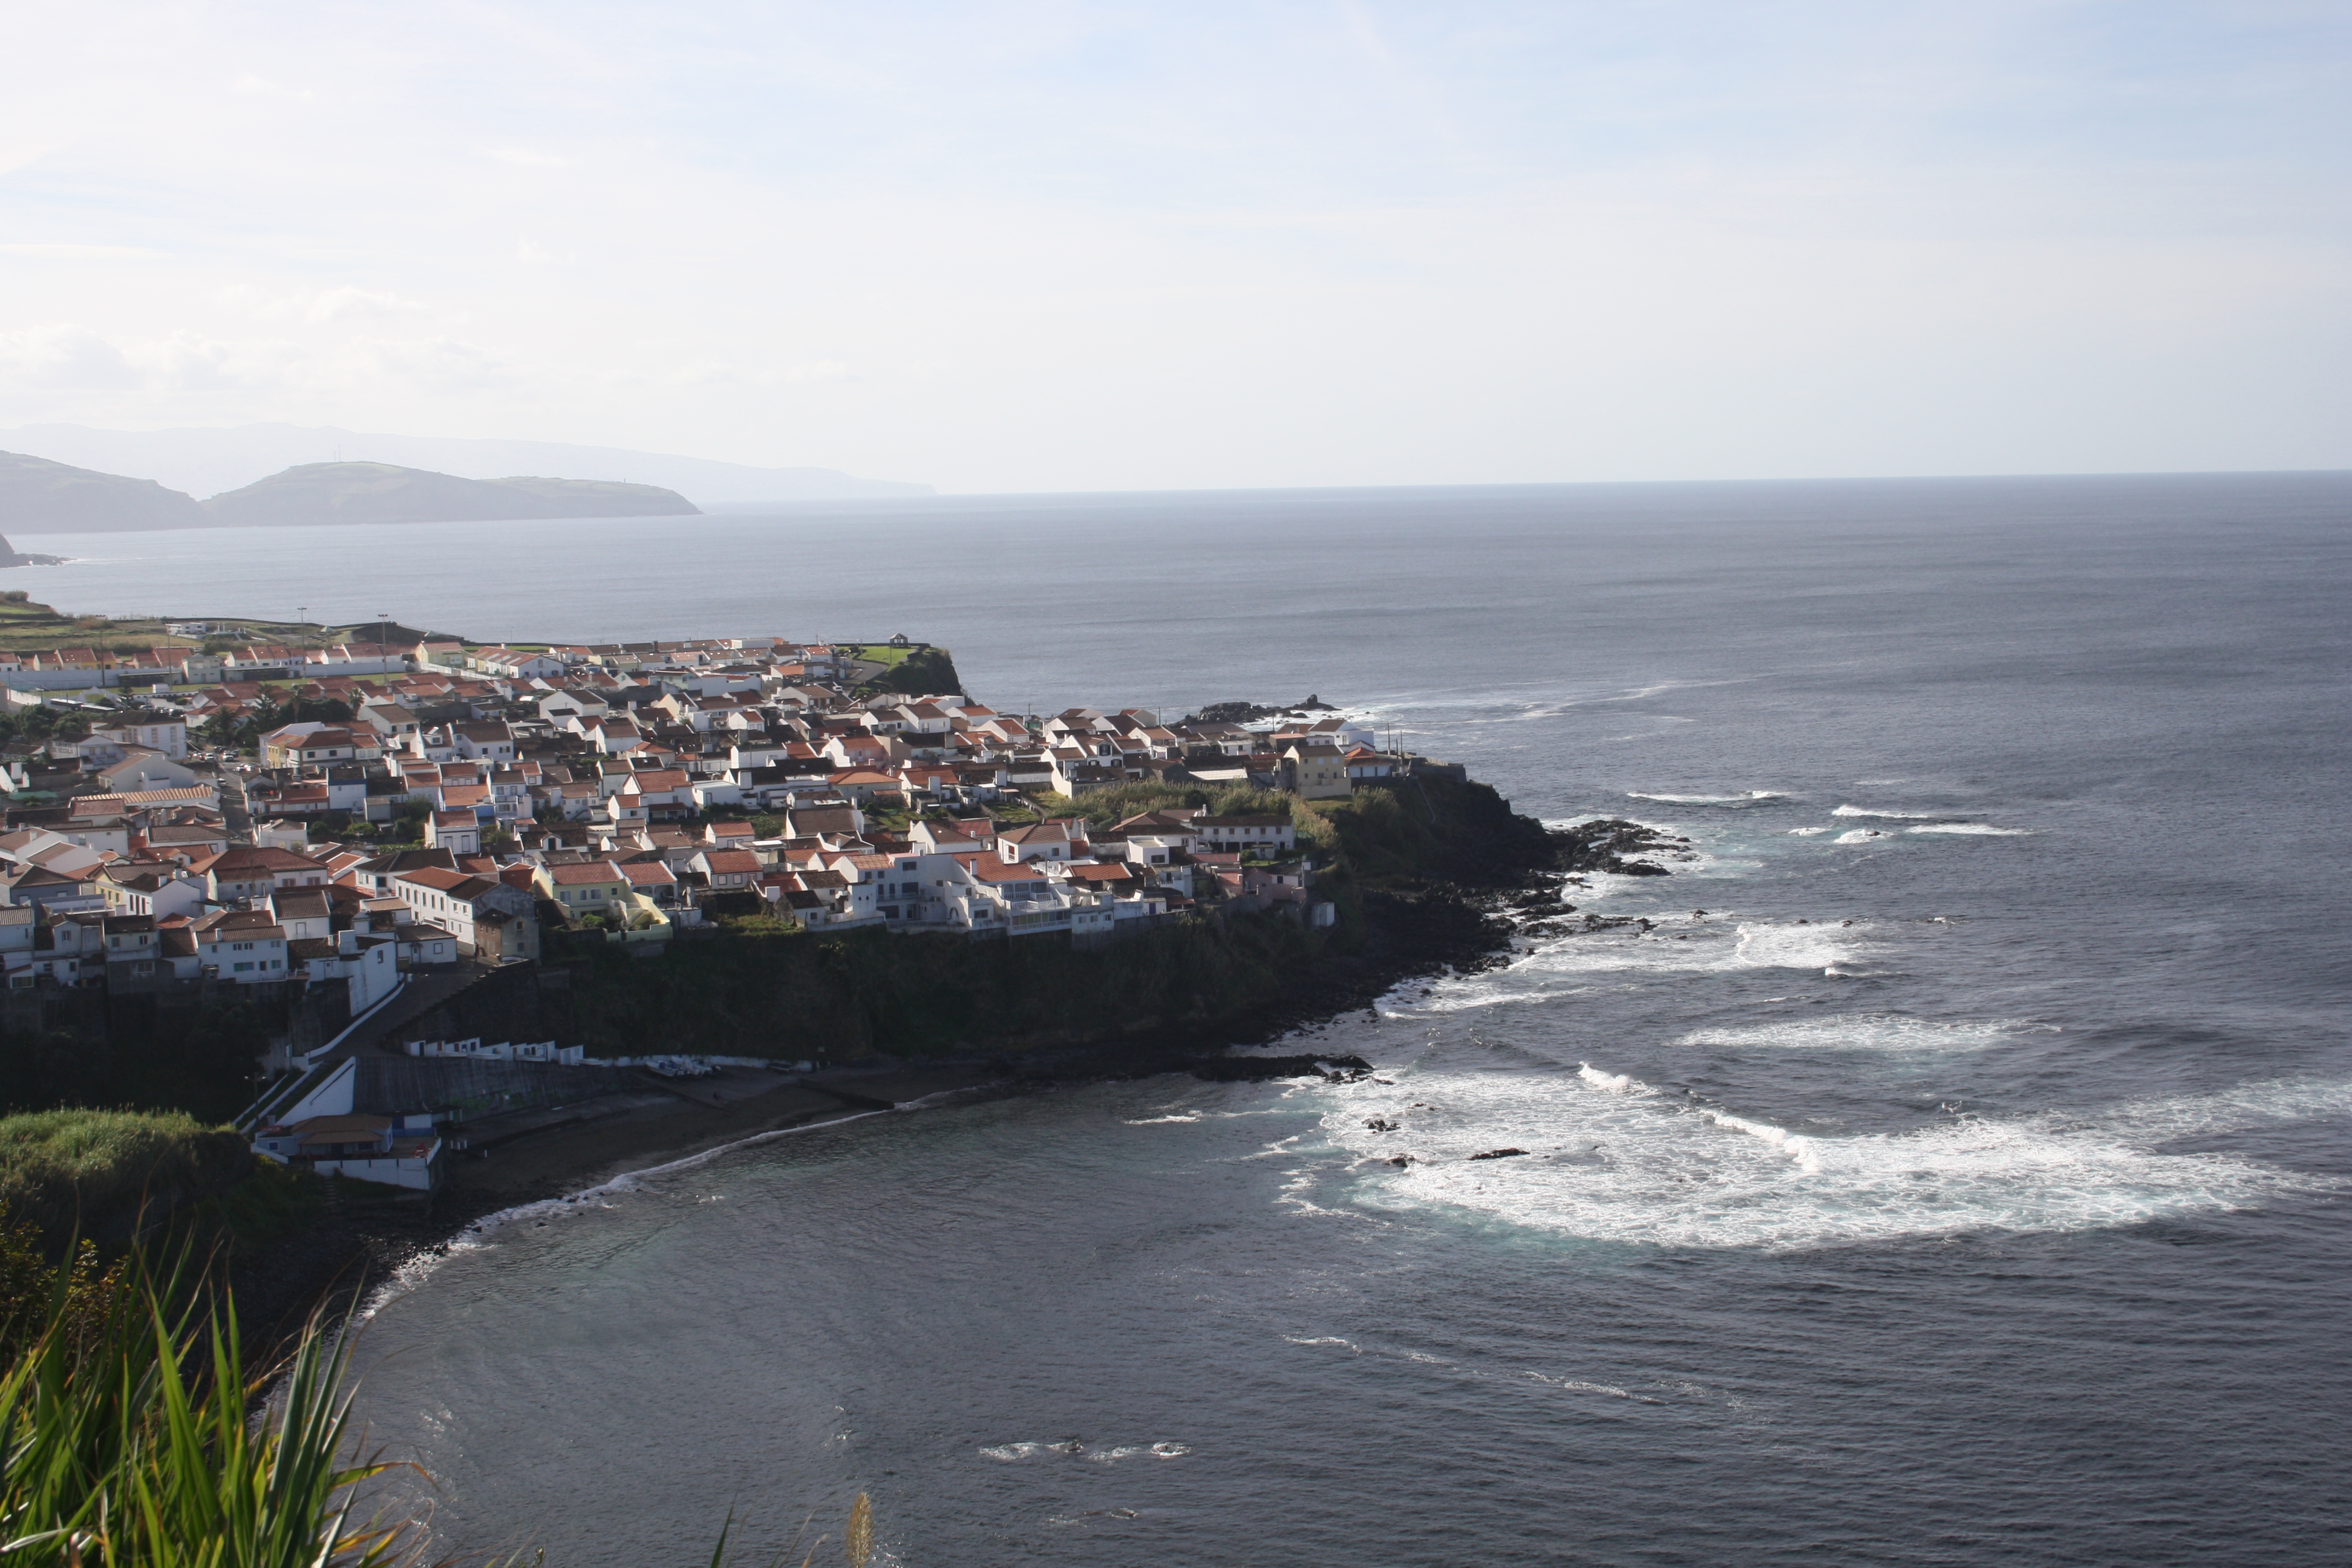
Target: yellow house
point(1312, 771)
point(597, 888)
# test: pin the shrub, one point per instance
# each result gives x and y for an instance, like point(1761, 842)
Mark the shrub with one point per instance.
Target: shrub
point(65, 1172)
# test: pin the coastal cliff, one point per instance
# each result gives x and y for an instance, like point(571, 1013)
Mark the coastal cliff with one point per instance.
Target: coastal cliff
point(1409, 867)
point(56, 498)
point(1424, 875)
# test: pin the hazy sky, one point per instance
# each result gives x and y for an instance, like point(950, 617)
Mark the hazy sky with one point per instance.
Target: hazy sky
point(1038, 246)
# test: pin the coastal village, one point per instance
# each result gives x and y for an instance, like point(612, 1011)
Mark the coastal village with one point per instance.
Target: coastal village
point(446, 809)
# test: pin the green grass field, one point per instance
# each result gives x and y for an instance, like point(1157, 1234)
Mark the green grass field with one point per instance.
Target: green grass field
point(27, 626)
point(881, 653)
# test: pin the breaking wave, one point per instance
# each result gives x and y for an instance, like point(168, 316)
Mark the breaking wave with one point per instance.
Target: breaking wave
point(1749, 798)
point(1612, 1159)
point(1678, 948)
point(1975, 827)
point(1863, 1032)
point(1896, 815)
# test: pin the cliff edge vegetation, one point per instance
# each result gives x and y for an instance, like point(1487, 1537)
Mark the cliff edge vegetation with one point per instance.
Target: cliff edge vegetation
point(64, 1172)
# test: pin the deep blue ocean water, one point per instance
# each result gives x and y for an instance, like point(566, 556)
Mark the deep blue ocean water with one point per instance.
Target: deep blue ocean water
point(1966, 1185)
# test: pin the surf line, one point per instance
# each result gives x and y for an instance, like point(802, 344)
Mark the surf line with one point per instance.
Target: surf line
point(413, 1272)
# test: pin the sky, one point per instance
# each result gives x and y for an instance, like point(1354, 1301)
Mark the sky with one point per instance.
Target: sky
point(1055, 245)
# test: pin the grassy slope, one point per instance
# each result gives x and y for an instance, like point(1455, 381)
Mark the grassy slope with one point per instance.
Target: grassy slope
point(880, 653)
point(63, 1170)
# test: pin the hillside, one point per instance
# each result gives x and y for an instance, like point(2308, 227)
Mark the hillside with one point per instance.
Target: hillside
point(380, 492)
point(206, 462)
point(38, 495)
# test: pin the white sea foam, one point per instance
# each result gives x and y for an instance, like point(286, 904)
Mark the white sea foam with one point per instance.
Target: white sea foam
point(1858, 836)
point(2237, 1109)
point(1861, 1032)
point(1013, 1453)
point(1749, 798)
point(1612, 1159)
point(1807, 832)
point(1578, 1385)
point(1986, 829)
point(1797, 946)
point(1107, 1454)
point(1692, 948)
point(1468, 999)
point(1158, 1120)
point(1899, 816)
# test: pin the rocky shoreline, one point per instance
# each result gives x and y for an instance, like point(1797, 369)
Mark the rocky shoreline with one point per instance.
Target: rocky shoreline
point(1419, 932)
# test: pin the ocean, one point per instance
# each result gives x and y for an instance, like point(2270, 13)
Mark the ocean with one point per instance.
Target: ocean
point(1955, 1173)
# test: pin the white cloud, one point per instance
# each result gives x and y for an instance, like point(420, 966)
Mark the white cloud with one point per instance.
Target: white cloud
point(437, 363)
point(68, 251)
point(184, 361)
point(1043, 244)
point(262, 86)
point(349, 303)
point(817, 370)
point(63, 358)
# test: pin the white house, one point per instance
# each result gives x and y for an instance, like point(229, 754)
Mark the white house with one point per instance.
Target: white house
point(245, 946)
point(153, 732)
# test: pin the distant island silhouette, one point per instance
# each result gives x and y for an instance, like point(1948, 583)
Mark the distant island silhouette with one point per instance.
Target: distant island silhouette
point(42, 496)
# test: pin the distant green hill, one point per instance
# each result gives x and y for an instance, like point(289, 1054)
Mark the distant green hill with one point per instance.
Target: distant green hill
point(380, 492)
point(38, 496)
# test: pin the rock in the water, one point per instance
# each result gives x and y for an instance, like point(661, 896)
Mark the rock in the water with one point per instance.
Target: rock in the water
point(1603, 845)
point(1498, 1153)
point(11, 556)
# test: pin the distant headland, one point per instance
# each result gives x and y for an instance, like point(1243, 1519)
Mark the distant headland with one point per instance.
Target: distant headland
point(210, 460)
point(49, 496)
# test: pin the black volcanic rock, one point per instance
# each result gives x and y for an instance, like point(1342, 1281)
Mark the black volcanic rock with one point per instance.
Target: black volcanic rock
point(42, 497)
